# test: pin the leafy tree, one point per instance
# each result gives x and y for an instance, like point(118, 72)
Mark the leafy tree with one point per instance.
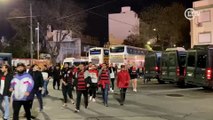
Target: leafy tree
point(166, 24)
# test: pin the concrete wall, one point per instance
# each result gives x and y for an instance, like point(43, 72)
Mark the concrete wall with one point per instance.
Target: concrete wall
point(202, 26)
point(122, 25)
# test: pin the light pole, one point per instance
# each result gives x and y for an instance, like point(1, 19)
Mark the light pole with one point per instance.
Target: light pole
point(31, 35)
point(38, 45)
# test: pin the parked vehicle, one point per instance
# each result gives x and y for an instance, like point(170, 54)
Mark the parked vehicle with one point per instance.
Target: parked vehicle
point(5, 58)
point(152, 66)
point(200, 66)
point(76, 62)
point(173, 65)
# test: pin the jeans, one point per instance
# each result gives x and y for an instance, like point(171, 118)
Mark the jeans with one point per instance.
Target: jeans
point(45, 87)
point(6, 108)
point(79, 93)
point(67, 90)
point(17, 106)
point(105, 94)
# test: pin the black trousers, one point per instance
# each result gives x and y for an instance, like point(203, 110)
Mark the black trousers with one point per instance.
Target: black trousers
point(39, 97)
point(67, 90)
point(79, 94)
point(17, 106)
point(112, 83)
point(56, 81)
point(92, 90)
point(122, 95)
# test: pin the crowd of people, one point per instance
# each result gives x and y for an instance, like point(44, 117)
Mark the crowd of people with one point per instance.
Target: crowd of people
point(26, 82)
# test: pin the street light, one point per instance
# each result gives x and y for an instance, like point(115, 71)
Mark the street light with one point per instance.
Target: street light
point(148, 43)
point(37, 29)
point(154, 29)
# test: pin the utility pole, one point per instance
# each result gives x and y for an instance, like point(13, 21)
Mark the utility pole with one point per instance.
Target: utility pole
point(31, 35)
point(38, 30)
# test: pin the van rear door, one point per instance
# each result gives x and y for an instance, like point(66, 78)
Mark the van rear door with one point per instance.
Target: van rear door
point(201, 67)
point(172, 65)
point(191, 65)
point(164, 65)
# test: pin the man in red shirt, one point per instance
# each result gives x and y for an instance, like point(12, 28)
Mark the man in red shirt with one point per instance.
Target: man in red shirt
point(123, 79)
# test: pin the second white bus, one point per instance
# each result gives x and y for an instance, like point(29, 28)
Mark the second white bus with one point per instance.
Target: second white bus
point(123, 54)
point(99, 55)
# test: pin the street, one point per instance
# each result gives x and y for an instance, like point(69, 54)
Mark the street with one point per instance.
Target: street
point(152, 102)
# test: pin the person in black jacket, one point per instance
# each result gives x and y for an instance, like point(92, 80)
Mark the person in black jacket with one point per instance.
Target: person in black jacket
point(67, 83)
point(5, 78)
point(56, 76)
point(38, 84)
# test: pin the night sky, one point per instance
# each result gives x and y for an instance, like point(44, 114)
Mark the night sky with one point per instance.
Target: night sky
point(98, 26)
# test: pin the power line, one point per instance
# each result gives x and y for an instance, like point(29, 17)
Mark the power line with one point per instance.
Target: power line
point(85, 10)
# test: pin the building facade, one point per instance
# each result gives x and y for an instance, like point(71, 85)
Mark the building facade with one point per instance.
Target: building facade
point(121, 25)
point(202, 24)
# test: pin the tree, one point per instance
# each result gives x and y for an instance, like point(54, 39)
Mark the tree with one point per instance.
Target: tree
point(167, 24)
point(49, 12)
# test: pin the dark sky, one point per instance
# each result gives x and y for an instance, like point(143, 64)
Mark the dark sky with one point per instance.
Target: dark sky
point(98, 26)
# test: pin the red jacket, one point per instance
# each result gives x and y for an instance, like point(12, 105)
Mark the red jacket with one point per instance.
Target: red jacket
point(123, 79)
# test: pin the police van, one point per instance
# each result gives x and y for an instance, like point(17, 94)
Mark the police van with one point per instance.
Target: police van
point(152, 66)
point(173, 65)
point(200, 66)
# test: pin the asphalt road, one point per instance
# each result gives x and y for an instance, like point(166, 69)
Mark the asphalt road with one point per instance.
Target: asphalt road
point(151, 102)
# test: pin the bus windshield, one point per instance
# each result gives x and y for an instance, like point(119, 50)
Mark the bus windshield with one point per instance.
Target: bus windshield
point(116, 49)
point(95, 52)
point(106, 52)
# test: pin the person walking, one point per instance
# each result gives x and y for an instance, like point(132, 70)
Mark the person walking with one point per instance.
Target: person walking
point(123, 79)
point(21, 86)
point(5, 78)
point(56, 77)
point(67, 83)
point(81, 82)
point(46, 77)
point(104, 82)
point(133, 76)
point(94, 80)
point(38, 84)
point(112, 71)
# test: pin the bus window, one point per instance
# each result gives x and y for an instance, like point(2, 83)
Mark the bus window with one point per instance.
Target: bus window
point(106, 52)
point(191, 61)
point(95, 52)
point(117, 49)
point(201, 62)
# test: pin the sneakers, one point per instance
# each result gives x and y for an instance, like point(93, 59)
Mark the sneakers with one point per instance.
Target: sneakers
point(72, 101)
point(93, 100)
point(77, 111)
point(134, 90)
point(64, 105)
point(90, 98)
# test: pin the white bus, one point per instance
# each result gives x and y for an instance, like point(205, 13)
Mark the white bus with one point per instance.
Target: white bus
point(99, 55)
point(123, 54)
point(74, 61)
